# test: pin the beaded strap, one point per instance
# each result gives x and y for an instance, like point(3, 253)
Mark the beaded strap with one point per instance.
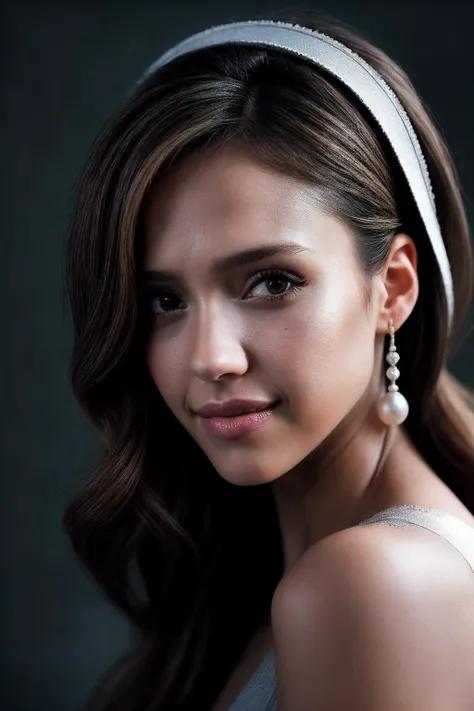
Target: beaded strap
point(452, 529)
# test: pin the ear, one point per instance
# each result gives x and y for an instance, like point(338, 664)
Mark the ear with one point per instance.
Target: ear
point(398, 283)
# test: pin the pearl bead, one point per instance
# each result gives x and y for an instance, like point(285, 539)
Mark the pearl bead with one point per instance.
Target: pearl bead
point(393, 408)
point(392, 358)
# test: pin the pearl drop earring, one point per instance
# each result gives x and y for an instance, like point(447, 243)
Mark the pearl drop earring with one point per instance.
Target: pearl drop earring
point(393, 407)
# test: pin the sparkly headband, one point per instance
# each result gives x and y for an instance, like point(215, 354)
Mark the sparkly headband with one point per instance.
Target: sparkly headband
point(364, 81)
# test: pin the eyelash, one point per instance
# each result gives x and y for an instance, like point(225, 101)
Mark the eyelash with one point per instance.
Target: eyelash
point(296, 282)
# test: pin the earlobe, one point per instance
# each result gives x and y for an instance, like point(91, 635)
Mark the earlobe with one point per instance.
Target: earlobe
point(400, 279)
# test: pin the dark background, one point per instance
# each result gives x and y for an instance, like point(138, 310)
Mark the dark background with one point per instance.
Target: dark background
point(65, 66)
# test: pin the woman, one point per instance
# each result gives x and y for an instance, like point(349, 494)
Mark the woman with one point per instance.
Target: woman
point(264, 244)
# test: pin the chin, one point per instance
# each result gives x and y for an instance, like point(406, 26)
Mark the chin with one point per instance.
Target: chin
point(245, 479)
point(249, 473)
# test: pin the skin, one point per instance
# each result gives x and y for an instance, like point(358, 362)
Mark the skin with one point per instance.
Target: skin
point(318, 352)
point(376, 619)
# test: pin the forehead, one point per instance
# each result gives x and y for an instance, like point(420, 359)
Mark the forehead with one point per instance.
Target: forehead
point(213, 204)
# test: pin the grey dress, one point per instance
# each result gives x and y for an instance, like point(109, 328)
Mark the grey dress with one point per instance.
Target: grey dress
point(259, 694)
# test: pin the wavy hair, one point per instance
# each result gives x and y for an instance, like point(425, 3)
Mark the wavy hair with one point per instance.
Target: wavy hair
point(191, 560)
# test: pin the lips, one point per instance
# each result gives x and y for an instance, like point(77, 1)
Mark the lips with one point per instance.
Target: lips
point(242, 418)
point(234, 408)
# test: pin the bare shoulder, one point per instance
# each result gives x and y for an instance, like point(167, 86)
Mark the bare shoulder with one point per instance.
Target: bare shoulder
point(376, 617)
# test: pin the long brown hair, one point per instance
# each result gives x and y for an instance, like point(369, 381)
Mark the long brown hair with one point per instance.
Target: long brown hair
point(191, 560)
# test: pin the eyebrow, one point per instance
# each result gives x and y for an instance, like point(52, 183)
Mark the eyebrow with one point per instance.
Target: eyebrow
point(230, 261)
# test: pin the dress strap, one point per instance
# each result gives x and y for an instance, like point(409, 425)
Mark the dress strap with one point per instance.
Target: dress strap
point(259, 694)
point(457, 532)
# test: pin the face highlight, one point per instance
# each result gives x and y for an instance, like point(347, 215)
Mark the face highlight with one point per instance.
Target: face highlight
point(253, 292)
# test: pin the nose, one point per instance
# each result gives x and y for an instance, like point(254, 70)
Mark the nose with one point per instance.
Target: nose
point(217, 349)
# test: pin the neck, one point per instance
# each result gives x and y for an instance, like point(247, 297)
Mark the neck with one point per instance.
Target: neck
point(339, 484)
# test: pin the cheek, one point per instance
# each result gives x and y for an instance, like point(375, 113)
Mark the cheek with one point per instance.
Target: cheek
point(166, 370)
point(324, 360)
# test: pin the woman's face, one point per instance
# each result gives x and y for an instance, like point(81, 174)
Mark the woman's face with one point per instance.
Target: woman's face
point(260, 297)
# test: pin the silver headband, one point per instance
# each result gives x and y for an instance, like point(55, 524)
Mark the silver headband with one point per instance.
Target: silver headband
point(364, 81)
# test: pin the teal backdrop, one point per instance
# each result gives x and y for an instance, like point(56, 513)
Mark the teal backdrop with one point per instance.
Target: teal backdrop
point(65, 66)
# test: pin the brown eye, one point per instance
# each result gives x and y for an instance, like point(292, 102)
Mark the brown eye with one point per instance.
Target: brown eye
point(278, 283)
point(163, 302)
